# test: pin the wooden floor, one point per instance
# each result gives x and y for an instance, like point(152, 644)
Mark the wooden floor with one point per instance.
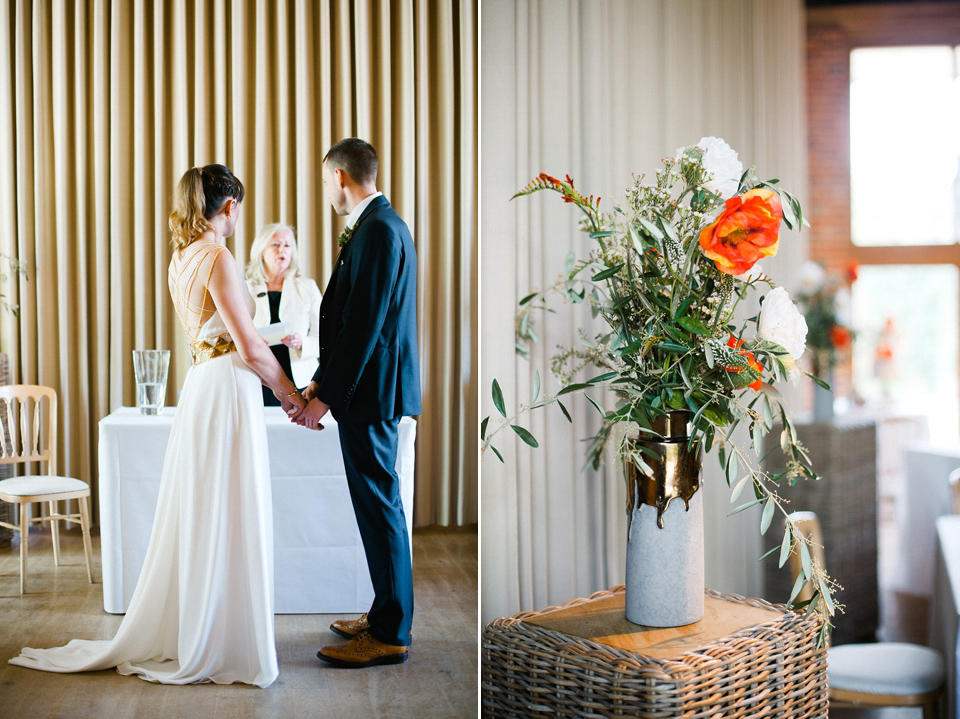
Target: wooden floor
point(440, 681)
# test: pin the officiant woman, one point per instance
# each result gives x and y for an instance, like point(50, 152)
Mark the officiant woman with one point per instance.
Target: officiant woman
point(282, 294)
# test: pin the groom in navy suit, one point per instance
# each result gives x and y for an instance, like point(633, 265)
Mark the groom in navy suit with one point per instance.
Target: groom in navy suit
point(369, 377)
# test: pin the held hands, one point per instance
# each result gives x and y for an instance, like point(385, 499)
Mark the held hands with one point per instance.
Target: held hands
point(312, 414)
point(293, 404)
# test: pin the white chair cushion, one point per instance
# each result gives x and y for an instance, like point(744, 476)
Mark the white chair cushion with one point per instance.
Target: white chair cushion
point(884, 668)
point(41, 484)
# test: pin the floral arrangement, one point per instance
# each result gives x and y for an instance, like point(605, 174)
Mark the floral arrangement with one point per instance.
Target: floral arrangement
point(667, 273)
point(825, 300)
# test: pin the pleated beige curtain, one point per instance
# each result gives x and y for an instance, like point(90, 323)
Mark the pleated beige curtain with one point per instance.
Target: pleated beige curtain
point(601, 89)
point(104, 104)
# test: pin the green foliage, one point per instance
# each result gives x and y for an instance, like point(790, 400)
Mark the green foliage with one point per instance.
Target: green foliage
point(498, 398)
point(669, 337)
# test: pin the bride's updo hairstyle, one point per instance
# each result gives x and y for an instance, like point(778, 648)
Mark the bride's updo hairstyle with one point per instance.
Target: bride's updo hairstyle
point(200, 195)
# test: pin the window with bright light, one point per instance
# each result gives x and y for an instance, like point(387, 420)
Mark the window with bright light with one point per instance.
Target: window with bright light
point(905, 192)
point(905, 145)
point(905, 350)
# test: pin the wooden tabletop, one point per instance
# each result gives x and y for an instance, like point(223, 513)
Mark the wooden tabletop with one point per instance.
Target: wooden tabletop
point(603, 620)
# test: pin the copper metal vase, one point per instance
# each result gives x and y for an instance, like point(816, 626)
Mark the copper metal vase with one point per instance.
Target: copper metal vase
point(665, 528)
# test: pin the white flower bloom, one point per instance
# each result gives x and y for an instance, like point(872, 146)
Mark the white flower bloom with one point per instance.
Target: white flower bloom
point(720, 160)
point(782, 323)
point(812, 278)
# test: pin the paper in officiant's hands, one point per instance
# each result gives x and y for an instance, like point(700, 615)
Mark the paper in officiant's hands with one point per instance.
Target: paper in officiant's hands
point(274, 333)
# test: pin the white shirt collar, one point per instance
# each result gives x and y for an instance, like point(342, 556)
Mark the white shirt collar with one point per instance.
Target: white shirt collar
point(361, 206)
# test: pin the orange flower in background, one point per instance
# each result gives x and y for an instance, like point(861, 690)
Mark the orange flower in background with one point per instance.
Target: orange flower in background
point(751, 361)
point(748, 229)
point(853, 271)
point(839, 336)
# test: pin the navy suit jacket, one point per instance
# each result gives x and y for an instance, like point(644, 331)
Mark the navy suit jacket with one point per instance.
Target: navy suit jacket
point(369, 369)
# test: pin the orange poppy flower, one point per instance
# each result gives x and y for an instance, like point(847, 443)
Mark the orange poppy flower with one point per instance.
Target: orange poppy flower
point(748, 229)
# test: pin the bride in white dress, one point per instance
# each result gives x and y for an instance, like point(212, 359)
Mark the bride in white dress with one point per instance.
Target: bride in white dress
point(202, 610)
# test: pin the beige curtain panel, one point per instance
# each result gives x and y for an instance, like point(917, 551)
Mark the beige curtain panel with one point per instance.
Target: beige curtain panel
point(104, 104)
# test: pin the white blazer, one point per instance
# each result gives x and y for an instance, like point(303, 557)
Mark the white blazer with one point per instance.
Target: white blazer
point(300, 309)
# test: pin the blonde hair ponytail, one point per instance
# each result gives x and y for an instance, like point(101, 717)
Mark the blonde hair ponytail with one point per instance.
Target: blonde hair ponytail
point(186, 221)
point(200, 195)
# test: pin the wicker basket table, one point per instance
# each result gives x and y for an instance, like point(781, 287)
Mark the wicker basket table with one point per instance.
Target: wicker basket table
point(745, 658)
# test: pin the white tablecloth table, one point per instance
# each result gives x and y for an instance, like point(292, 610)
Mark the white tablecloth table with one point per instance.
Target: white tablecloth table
point(944, 623)
point(319, 564)
point(924, 497)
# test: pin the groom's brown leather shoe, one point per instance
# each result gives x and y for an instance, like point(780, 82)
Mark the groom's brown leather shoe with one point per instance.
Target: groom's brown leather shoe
point(363, 651)
point(349, 628)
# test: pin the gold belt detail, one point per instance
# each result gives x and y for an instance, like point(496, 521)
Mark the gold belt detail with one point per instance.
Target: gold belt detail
point(211, 348)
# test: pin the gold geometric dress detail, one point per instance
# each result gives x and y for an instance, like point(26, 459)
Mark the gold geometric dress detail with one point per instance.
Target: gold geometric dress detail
point(194, 304)
point(211, 347)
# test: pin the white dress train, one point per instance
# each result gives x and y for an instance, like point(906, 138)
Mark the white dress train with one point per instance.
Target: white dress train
point(202, 610)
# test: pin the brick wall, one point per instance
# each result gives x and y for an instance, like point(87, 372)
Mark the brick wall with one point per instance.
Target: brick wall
point(828, 118)
point(831, 34)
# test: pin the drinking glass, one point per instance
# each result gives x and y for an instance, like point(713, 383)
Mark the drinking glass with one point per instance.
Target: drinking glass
point(150, 368)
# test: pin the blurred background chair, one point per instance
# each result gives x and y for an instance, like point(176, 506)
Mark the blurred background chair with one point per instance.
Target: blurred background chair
point(28, 432)
point(884, 674)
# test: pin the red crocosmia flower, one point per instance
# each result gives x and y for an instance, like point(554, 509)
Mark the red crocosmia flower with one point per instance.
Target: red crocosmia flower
point(756, 366)
point(748, 229)
point(839, 336)
point(751, 361)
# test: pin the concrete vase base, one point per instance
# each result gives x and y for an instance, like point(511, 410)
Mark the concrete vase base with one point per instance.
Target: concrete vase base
point(665, 566)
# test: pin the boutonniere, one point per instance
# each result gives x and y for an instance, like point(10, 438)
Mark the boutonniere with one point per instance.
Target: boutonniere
point(345, 236)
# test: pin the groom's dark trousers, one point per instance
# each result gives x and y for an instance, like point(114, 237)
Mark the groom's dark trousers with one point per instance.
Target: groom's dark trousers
point(369, 375)
point(369, 455)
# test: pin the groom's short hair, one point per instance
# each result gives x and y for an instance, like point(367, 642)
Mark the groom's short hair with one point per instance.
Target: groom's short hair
point(355, 157)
